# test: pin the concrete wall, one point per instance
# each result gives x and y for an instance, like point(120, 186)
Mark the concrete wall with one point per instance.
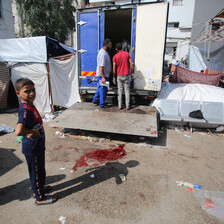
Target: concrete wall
point(6, 20)
point(179, 37)
point(182, 14)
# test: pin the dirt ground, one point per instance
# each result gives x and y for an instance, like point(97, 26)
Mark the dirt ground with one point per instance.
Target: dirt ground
point(149, 194)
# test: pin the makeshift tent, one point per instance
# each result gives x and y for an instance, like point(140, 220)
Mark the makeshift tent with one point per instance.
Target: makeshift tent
point(29, 58)
point(64, 82)
point(207, 48)
point(37, 72)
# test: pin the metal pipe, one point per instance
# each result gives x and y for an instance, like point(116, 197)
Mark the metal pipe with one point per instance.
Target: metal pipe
point(209, 43)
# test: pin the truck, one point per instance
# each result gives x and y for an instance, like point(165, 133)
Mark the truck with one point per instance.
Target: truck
point(143, 26)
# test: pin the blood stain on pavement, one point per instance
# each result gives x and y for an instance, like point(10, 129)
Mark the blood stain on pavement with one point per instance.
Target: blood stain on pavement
point(57, 148)
point(101, 156)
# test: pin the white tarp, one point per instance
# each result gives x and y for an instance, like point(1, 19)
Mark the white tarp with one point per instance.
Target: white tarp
point(198, 57)
point(64, 81)
point(30, 49)
point(209, 43)
point(192, 92)
point(37, 72)
point(196, 61)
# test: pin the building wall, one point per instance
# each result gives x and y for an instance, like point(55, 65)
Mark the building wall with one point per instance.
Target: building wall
point(182, 14)
point(6, 20)
point(19, 30)
point(178, 37)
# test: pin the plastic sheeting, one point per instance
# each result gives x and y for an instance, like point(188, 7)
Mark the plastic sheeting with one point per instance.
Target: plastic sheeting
point(196, 61)
point(198, 57)
point(192, 92)
point(37, 72)
point(64, 81)
point(30, 49)
point(207, 44)
point(211, 201)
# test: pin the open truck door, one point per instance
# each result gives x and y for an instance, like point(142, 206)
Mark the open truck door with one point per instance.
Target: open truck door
point(151, 21)
point(90, 30)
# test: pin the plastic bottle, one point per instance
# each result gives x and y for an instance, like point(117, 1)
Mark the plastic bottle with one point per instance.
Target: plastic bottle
point(19, 139)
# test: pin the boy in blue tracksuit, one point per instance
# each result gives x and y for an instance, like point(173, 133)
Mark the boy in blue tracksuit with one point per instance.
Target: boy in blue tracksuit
point(103, 71)
point(30, 126)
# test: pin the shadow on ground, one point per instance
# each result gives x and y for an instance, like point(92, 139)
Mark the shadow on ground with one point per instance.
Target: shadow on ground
point(8, 110)
point(21, 190)
point(97, 175)
point(160, 140)
point(8, 160)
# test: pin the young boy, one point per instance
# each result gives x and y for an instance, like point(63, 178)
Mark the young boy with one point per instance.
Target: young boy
point(33, 146)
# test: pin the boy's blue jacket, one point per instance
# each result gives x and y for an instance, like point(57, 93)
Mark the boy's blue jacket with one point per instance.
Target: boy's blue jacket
point(30, 117)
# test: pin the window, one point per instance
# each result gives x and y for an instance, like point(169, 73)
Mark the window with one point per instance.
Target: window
point(171, 51)
point(177, 2)
point(173, 25)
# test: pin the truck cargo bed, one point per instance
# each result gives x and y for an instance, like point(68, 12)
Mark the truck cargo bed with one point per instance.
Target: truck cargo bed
point(139, 120)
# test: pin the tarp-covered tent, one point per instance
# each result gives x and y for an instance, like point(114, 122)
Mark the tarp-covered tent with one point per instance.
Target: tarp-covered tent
point(64, 81)
point(207, 48)
point(29, 58)
point(37, 72)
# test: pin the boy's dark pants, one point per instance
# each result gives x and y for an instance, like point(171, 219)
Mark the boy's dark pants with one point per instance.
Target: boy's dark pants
point(37, 173)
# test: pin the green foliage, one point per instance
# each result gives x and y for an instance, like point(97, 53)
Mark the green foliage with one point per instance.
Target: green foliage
point(52, 18)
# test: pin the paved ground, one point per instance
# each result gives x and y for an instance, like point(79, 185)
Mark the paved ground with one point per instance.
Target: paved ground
point(149, 195)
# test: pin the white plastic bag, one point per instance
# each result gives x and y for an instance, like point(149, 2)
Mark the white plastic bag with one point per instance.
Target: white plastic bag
point(5, 128)
point(211, 201)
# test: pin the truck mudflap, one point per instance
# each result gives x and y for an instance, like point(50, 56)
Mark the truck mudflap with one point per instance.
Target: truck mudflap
point(140, 120)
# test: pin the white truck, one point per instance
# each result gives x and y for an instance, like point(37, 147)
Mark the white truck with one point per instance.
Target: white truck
point(141, 25)
point(144, 26)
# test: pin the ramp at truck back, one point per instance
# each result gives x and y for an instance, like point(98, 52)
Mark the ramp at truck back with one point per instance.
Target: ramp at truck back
point(140, 120)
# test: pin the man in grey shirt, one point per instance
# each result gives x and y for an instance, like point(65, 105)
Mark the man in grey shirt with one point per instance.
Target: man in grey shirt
point(103, 70)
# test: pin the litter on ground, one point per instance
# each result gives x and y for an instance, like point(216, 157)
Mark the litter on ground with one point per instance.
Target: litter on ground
point(211, 201)
point(6, 129)
point(62, 219)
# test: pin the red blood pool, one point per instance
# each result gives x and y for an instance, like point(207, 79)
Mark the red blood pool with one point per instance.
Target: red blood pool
point(123, 203)
point(59, 147)
point(101, 156)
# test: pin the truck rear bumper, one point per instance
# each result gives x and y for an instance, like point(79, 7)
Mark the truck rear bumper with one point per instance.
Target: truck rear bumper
point(114, 91)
